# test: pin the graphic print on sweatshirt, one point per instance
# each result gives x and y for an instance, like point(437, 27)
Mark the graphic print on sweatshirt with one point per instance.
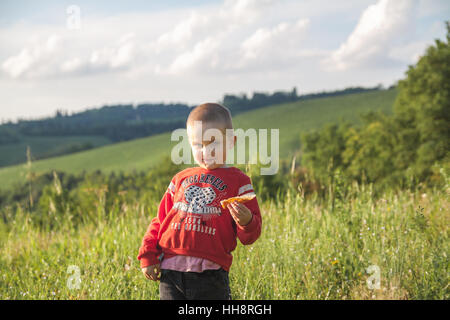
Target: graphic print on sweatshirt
point(200, 200)
point(197, 201)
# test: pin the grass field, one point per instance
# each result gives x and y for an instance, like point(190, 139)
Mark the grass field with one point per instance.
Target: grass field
point(306, 251)
point(140, 154)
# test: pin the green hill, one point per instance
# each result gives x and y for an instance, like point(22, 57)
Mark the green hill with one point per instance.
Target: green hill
point(46, 147)
point(290, 118)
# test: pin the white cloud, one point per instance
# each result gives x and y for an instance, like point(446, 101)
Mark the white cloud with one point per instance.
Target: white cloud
point(244, 11)
point(380, 27)
point(409, 53)
point(202, 55)
point(180, 48)
point(33, 59)
point(283, 37)
point(59, 55)
point(183, 32)
point(120, 55)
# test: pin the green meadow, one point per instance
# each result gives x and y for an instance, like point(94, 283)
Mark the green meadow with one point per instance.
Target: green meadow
point(45, 146)
point(394, 247)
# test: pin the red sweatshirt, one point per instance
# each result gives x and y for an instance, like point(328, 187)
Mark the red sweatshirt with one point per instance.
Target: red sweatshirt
point(192, 222)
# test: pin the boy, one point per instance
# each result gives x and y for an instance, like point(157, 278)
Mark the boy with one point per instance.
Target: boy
point(190, 241)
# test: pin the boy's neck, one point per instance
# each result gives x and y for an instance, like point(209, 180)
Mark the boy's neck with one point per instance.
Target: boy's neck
point(221, 167)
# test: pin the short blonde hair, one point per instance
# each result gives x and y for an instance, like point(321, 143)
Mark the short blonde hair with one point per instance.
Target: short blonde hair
point(211, 112)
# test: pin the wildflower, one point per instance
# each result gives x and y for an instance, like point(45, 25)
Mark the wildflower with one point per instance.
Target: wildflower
point(334, 262)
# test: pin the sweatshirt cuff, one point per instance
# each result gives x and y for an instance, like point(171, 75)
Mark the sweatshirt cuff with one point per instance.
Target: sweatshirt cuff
point(149, 259)
point(250, 226)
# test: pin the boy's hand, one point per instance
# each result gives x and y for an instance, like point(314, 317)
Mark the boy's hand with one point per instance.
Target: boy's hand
point(152, 272)
point(240, 213)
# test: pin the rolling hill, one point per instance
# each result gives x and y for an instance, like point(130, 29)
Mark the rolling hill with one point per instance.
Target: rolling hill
point(290, 118)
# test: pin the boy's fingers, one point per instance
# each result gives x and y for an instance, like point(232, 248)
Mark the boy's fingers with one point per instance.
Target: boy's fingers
point(156, 273)
point(241, 206)
point(236, 217)
point(232, 210)
point(238, 206)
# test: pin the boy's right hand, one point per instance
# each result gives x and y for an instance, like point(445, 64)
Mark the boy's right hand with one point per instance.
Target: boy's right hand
point(152, 272)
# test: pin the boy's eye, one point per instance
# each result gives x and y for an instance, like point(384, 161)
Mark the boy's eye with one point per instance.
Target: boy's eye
point(199, 145)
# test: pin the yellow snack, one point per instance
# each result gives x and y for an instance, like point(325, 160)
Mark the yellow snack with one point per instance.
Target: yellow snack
point(243, 198)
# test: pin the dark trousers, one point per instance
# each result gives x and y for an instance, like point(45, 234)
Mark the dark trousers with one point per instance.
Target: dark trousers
point(206, 285)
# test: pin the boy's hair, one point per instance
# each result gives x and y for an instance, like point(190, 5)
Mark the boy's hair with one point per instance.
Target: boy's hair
point(211, 112)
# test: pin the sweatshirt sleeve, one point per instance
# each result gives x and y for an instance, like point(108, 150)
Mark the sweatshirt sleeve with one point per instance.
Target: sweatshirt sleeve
point(149, 250)
point(249, 233)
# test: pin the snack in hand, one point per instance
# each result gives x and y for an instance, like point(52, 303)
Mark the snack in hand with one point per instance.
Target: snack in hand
point(243, 198)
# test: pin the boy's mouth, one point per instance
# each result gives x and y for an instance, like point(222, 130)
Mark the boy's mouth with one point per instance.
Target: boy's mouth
point(209, 162)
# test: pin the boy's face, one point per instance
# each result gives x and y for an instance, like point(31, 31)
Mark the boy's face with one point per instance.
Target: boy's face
point(208, 143)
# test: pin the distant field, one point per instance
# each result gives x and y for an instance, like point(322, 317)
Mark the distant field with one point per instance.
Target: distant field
point(292, 119)
point(44, 146)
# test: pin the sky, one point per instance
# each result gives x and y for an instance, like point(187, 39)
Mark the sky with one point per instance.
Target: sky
point(76, 55)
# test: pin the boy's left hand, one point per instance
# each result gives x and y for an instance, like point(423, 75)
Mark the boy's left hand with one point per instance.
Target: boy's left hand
point(240, 213)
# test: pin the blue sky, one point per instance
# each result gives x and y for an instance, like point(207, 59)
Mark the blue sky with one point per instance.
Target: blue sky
point(196, 51)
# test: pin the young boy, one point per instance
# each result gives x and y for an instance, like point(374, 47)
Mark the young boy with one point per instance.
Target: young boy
point(188, 244)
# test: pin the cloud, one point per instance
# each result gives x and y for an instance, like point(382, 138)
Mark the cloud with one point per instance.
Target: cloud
point(199, 35)
point(183, 32)
point(202, 55)
point(33, 59)
point(120, 55)
point(380, 27)
point(57, 55)
point(409, 53)
point(282, 40)
point(206, 39)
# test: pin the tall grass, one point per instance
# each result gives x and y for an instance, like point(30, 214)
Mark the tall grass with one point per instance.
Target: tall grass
point(308, 249)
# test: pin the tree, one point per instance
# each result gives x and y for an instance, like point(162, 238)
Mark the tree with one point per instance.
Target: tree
point(422, 111)
point(322, 150)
